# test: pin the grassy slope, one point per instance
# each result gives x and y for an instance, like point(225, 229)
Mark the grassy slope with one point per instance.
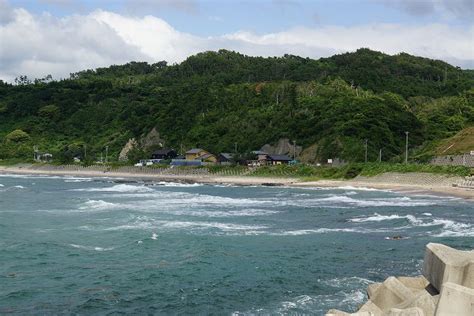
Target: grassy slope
point(462, 142)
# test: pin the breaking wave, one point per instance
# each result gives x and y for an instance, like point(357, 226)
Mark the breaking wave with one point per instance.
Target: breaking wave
point(449, 227)
point(144, 223)
point(91, 247)
point(179, 184)
point(123, 188)
point(378, 218)
point(317, 231)
point(98, 205)
point(397, 201)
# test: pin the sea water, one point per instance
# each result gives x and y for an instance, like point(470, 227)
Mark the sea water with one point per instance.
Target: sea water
point(98, 246)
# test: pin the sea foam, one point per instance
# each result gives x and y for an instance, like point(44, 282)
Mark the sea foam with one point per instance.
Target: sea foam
point(91, 247)
point(123, 188)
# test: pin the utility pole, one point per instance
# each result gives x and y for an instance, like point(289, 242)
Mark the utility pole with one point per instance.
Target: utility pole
point(85, 151)
point(406, 147)
point(35, 152)
point(380, 155)
point(235, 148)
point(294, 150)
point(106, 154)
point(366, 141)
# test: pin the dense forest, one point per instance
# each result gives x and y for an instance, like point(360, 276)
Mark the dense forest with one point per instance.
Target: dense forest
point(215, 100)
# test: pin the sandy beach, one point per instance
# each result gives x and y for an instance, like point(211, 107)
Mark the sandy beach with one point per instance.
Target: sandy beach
point(438, 185)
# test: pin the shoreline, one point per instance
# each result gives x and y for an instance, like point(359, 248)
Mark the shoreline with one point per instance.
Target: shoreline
point(407, 188)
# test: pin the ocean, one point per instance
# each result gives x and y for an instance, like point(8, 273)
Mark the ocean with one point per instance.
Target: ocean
point(73, 245)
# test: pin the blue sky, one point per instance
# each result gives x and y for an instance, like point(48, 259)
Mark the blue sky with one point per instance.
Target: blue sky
point(89, 34)
point(213, 17)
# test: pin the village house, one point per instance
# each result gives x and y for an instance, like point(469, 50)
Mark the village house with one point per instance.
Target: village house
point(43, 157)
point(278, 159)
point(164, 153)
point(207, 158)
point(194, 153)
point(200, 155)
point(260, 159)
point(225, 158)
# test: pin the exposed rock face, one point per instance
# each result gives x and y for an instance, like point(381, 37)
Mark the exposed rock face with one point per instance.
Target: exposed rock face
point(446, 270)
point(283, 147)
point(132, 143)
point(152, 139)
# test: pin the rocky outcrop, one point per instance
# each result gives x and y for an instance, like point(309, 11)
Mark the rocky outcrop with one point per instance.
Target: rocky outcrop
point(283, 147)
point(445, 289)
point(132, 143)
point(150, 141)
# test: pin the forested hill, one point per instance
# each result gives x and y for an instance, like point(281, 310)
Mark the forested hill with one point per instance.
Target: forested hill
point(216, 99)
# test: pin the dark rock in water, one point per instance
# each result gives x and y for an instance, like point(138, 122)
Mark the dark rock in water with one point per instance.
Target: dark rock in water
point(271, 184)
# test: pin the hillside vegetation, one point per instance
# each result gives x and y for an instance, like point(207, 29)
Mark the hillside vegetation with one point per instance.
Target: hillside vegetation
point(462, 142)
point(216, 99)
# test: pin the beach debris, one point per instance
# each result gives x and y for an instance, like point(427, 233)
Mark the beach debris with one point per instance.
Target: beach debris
point(446, 288)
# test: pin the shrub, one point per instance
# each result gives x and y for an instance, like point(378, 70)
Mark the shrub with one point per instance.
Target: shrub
point(17, 136)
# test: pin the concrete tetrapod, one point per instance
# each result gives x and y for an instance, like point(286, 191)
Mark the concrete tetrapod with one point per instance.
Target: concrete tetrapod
point(455, 300)
point(444, 264)
point(445, 270)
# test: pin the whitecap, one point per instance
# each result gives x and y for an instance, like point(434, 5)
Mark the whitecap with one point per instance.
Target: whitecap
point(452, 229)
point(91, 247)
point(378, 218)
point(76, 180)
point(154, 236)
point(98, 205)
point(345, 282)
point(316, 231)
point(144, 223)
point(179, 184)
point(400, 201)
point(123, 188)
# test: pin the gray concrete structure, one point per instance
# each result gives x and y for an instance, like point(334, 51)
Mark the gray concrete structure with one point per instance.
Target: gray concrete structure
point(445, 270)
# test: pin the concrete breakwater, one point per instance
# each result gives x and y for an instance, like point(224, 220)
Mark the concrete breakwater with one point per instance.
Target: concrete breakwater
point(446, 288)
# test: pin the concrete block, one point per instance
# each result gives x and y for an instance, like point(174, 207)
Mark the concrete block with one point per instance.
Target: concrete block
point(445, 264)
point(414, 311)
point(336, 312)
point(371, 308)
point(391, 293)
point(455, 300)
point(372, 289)
point(416, 284)
point(421, 300)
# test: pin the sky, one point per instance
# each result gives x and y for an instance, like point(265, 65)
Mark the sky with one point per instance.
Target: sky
point(59, 37)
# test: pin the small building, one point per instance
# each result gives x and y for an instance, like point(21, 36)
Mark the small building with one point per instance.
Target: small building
point(278, 159)
point(194, 153)
point(164, 153)
point(261, 155)
point(225, 158)
point(208, 157)
point(260, 159)
point(43, 157)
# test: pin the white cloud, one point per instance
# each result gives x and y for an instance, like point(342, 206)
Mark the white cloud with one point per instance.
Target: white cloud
point(37, 45)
